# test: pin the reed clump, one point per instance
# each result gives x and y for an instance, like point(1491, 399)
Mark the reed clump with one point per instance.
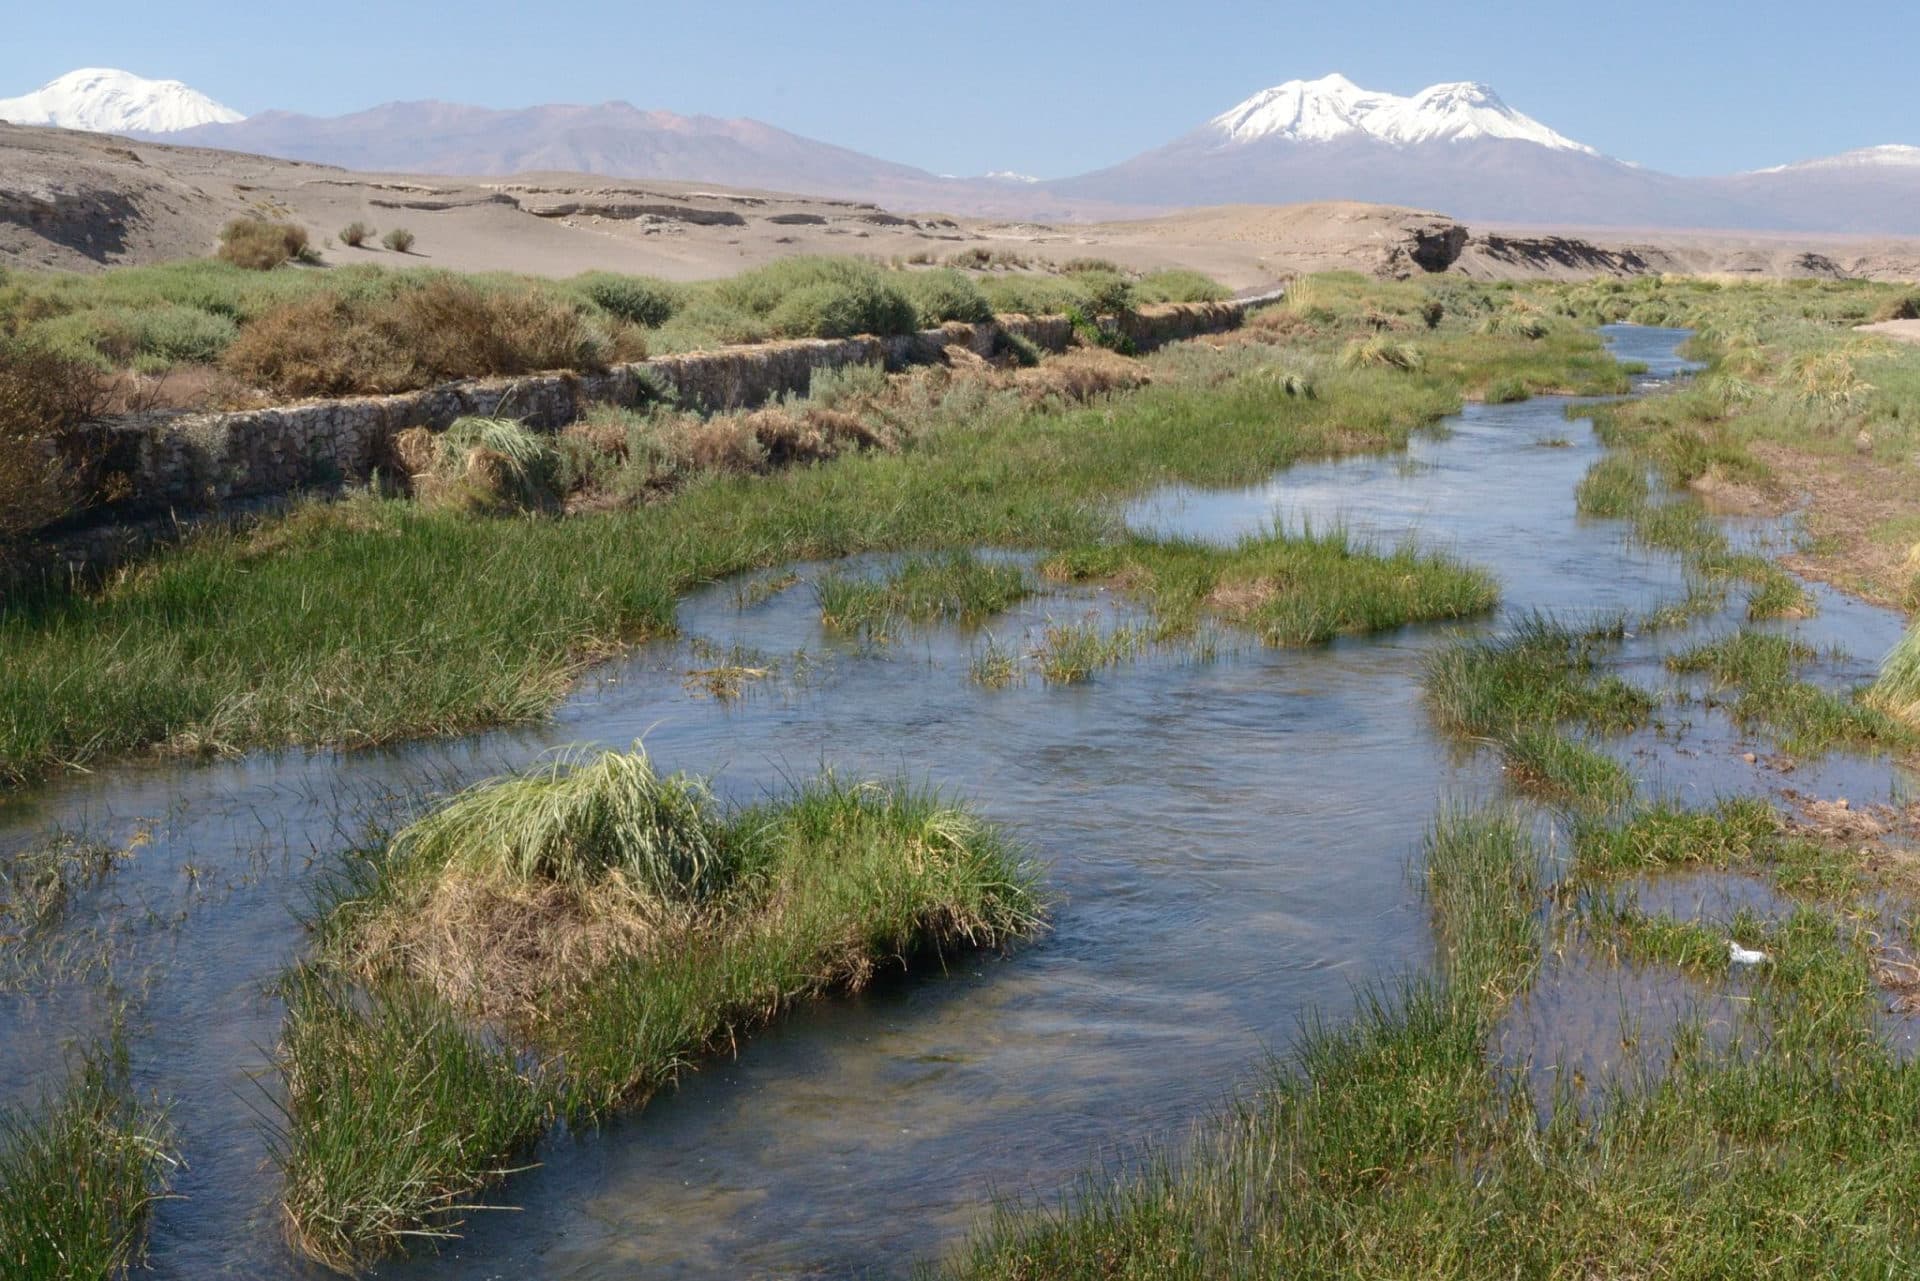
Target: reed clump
point(79, 1175)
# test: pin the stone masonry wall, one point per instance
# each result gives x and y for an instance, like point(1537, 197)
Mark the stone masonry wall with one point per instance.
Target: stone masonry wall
point(195, 468)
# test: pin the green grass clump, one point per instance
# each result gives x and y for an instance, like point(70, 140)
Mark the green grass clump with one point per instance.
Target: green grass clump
point(820, 297)
point(1540, 673)
point(575, 823)
point(1561, 766)
point(1507, 391)
point(958, 586)
point(401, 1109)
point(522, 468)
point(1734, 833)
point(396, 1113)
point(1614, 486)
point(1484, 877)
point(79, 1175)
point(1073, 652)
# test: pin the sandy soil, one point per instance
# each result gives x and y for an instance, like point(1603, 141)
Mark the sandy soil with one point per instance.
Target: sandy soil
point(1898, 330)
point(78, 201)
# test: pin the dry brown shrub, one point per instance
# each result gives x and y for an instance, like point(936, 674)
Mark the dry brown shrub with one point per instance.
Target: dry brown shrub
point(1080, 375)
point(327, 344)
point(43, 395)
point(415, 450)
point(505, 949)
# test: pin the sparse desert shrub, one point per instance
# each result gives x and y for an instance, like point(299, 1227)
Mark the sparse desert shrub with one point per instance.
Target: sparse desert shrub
point(1080, 375)
point(639, 300)
point(355, 233)
point(260, 245)
point(400, 240)
point(942, 295)
point(835, 386)
point(1381, 352)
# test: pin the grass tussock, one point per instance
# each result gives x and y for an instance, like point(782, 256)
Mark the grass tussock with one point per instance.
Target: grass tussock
point(78, 1176)
point(1897, 690)
point(462, 1000)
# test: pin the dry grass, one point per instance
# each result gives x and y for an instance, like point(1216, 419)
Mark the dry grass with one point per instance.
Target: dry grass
point(1897, 691)
point(506, 949)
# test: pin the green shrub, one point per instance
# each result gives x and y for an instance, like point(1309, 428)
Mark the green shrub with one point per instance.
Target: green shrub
point(942, 295)
point(1032, 295)
point(1106, 293)
point(400, 240)
point(639, 300)
point(260, 245)
point(820, 297)
point(355, 233)
point(1179, 286)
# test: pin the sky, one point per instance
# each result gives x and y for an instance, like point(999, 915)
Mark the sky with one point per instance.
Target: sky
point(1049, 89)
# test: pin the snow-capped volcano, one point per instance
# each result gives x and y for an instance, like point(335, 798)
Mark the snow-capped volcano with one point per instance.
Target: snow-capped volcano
point(1333, 107)
point(102, 100)
point(1889, 156)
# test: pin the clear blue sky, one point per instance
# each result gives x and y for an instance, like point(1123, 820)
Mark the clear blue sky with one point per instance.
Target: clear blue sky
point(1049, 88)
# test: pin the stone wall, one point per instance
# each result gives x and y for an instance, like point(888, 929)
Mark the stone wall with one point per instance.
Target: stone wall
point(184, 469)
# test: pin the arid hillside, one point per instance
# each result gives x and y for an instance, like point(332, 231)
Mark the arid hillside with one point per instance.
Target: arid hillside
point(81, 201)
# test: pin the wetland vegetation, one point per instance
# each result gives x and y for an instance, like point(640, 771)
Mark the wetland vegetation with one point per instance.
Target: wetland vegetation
point(538, 953)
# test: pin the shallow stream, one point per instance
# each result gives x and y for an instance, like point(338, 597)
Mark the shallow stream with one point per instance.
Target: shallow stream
point(1229, 839)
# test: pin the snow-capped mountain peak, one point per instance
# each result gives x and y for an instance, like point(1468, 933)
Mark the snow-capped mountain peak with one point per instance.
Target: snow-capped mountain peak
point(1891, 155)
point(1334, 107)
point(103, 100)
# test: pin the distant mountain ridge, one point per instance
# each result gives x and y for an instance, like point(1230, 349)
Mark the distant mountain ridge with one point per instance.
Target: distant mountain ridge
point(1456, 147)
